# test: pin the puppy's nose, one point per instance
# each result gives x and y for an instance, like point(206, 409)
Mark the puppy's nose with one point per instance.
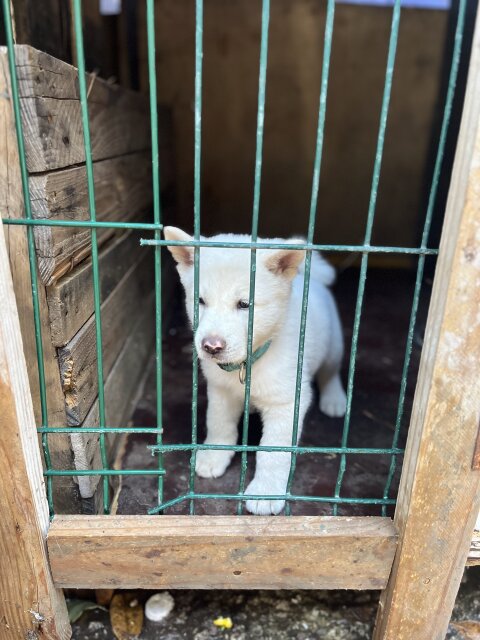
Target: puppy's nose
point(213, 345)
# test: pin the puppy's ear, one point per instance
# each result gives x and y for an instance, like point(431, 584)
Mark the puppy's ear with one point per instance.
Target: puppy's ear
point(182, 255)
point(285, 262)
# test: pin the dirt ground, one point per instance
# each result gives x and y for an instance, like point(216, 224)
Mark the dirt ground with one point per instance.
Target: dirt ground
point(380, 356)
point(280, 615)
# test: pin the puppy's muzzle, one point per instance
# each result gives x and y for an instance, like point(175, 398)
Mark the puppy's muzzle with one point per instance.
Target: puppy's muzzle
point(213, 345)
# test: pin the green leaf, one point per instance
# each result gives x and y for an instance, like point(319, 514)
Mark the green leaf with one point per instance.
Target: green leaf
point(76, 608)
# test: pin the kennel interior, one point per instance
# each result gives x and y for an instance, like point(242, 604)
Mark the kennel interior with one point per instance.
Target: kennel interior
point(335, 121)
point(361, 173)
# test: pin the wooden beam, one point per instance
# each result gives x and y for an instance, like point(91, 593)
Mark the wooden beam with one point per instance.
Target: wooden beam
point(30, 606)
point(11, 203)
point(439, 495)
point(221, 552)
point(70, 301)
point(120, 397)
point(123, 190)
point(78, 359)
point(50, 104)
point(474, 553)
point(45, 25)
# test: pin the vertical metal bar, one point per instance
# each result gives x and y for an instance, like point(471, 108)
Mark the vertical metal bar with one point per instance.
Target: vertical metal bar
point(262, 80)
point(77, 13)
point(157, 219)
point(30, 241)
point(196, 230)
point(327, 49)
point(392, 48)
point(457, 48)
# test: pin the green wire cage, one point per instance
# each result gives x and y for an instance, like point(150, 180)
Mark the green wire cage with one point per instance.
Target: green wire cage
point(365, 249)
point(152, 242)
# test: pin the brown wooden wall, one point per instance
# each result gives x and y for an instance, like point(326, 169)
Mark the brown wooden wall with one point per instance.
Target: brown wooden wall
point(231, 50)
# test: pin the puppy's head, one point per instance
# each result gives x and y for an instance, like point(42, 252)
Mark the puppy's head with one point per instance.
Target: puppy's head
point(224, 294)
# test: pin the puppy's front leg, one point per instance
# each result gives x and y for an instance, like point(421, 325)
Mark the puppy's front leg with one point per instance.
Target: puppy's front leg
point(223, 413)
point(273, 468)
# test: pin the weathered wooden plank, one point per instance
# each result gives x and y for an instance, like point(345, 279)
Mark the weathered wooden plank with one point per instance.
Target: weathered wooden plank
point(439, 494)
point(11, 202)
point(123, 189)
point(78, 359)
point(120, 397)
point(44, 25)
point(221, 552)
point(474, 553)
point(26, 585)
point(70, 301)
point(51, 114)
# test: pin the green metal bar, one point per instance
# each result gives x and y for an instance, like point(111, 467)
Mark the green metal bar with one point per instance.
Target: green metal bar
point(30, 241)
point(153, 430)
point(293, 448)
point(152, 78)
point(88, 224)
point(78, 25)
point(342, 248)
point(237, 497)
point(103, 472)
point(262, 81)
point(196, 230)
point(168, 504)
point(392, 48)
point(327, 48)
point(457, 49)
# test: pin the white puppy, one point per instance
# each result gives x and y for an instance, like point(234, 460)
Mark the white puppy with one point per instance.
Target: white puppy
point(221, 344)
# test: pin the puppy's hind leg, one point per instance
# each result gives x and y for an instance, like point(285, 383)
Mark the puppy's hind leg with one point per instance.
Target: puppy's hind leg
point(333, 401)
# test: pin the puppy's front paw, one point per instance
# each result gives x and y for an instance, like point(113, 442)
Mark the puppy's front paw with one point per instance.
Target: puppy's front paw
point(263, 507)
point(333, 402)
point(212, 464)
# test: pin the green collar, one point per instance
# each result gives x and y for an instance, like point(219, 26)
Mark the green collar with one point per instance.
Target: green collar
point(256, 355)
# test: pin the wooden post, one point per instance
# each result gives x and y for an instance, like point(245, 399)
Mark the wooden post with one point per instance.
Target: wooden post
point(439, 491)
point(30, 606)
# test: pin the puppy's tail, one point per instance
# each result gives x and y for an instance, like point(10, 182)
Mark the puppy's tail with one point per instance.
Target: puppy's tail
point(321, 270)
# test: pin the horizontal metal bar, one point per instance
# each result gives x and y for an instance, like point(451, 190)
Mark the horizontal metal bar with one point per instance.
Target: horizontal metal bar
point(293, 498)
point(97, 429)
point(103, 472)
point(241, 447)
point(221, 447)
point(347, 248)
point(88, 224)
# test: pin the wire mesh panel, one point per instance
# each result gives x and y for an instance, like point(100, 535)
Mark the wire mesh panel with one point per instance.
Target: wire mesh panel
point(162, 449)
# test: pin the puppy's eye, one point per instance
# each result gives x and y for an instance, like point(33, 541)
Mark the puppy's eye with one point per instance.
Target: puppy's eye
point(243, 304)
point(201, 301)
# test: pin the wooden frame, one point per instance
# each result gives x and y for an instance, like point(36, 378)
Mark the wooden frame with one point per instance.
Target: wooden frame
point(438, 502)
point(221, 552)
point(29, 603)
point(439, 494)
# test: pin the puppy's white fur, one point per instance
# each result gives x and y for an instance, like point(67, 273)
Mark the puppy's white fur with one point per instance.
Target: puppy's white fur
point(224, 281)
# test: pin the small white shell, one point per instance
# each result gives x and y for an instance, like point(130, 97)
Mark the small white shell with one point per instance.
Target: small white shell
point(159, 606)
